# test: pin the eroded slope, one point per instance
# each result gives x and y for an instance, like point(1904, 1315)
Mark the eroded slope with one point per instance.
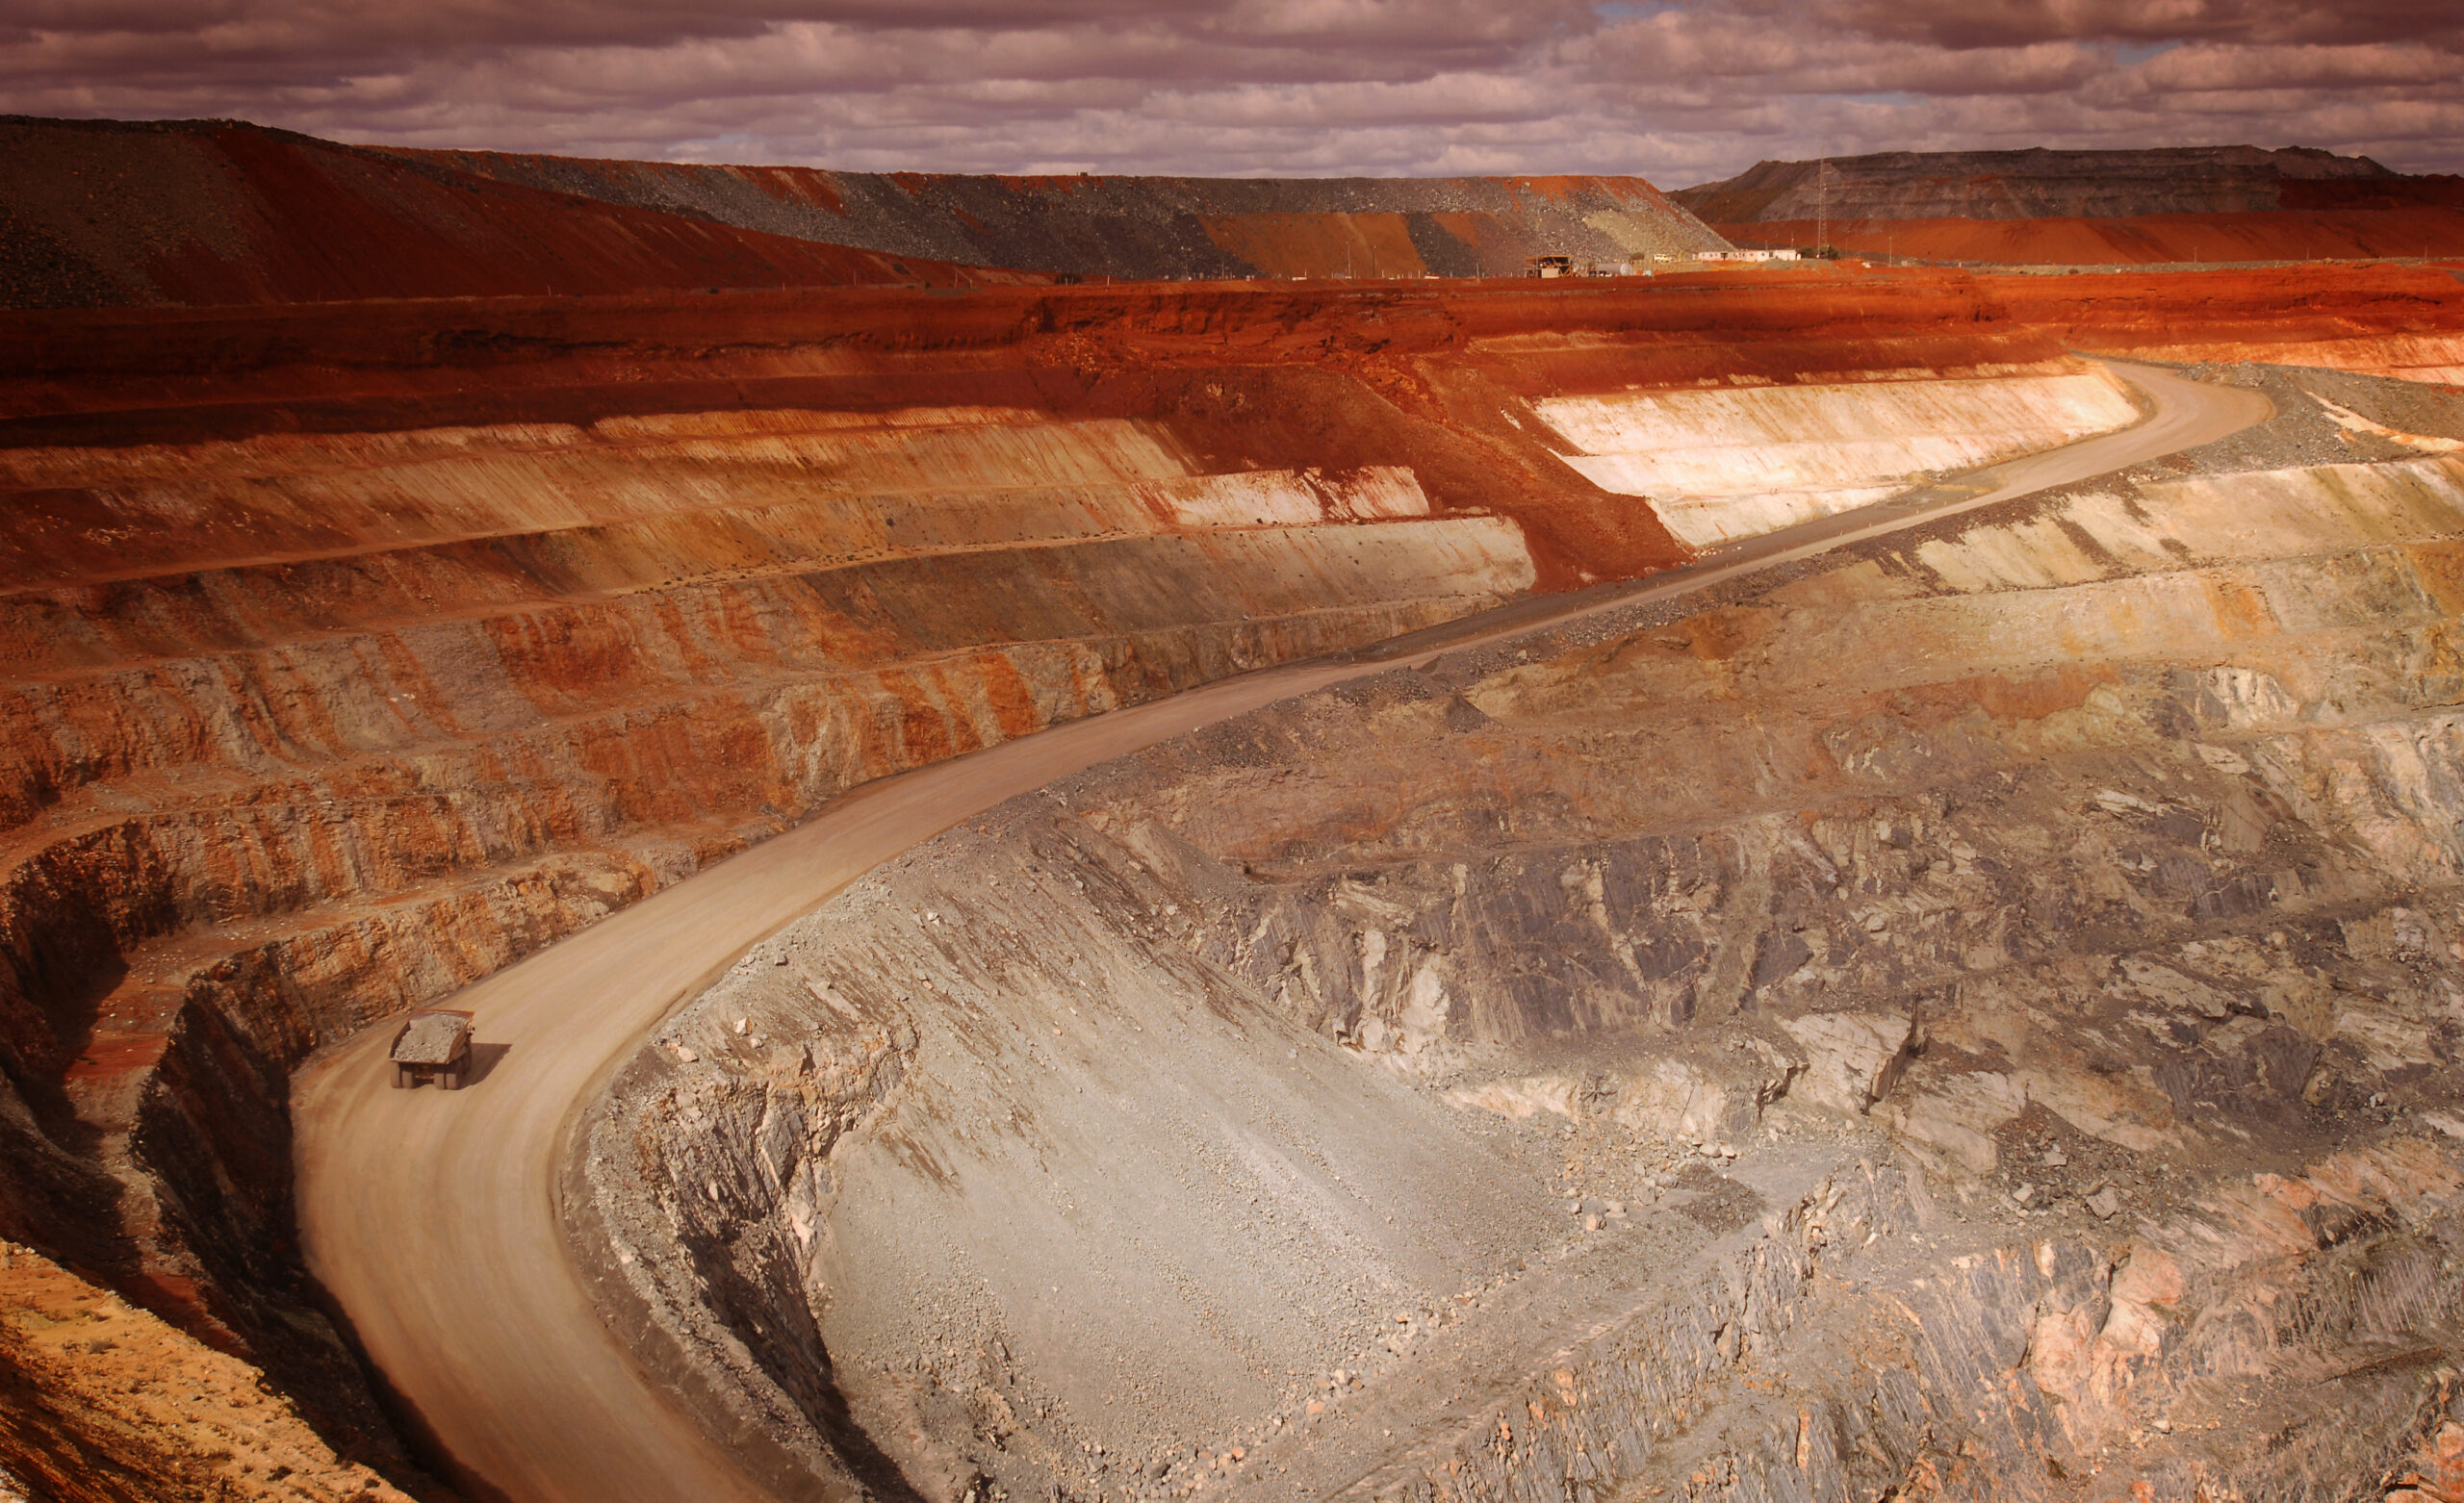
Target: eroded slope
point(101, 1402)
point(1149, 228)
point(305, 729)
point(2186, 204)
point(1975, 1016)
point(109, 213)
point(103, 213)
point(2043, 184)
point(372, 647)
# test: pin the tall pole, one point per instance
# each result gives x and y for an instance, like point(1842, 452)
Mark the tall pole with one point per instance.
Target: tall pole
point(1822, 203)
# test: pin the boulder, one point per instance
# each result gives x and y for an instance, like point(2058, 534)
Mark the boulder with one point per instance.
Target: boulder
point(1851, 1059)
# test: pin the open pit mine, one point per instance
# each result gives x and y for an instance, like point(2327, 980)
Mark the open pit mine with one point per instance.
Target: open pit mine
point(712, 834)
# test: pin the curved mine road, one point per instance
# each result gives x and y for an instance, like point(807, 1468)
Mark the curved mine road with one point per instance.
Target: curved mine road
point(433, 1217)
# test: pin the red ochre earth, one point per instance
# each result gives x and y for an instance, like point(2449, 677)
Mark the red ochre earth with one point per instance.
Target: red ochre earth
point(221, 211)
point(270, 764)
point(217, 212)
point(2326, 233)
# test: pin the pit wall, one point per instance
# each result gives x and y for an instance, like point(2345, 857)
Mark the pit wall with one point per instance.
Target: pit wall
point(338, 710)
point(2137, 240)
point(2434, 359)
point(2128, 843)
point(367, 661)
point(312, 729)
point(908, 1178)
point(101, 1402)
point(2286, 622)
point(1809, 1367)
point(1723, 464)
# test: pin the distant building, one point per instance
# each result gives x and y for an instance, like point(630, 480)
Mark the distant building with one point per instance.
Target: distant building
point(1550, 266)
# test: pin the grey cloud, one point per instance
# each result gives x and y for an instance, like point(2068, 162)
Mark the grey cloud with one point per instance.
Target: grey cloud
point(1677, 91)
point(1983, 23)
point(2301, 66)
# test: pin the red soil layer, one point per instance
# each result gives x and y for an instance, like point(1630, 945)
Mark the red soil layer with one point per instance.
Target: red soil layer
point(2284, 307)
point(1311, 375)
point(238, 215)
point(228, 833)
point(2436, 191)
point(127, 375)
point(1136, 228)
point(2305, 234)
point(1334, 376)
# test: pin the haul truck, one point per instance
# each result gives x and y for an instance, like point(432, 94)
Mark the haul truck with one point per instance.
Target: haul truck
point(432, 1044)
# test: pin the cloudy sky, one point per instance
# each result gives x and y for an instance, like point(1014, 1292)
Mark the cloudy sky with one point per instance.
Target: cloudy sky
point(1679, 91)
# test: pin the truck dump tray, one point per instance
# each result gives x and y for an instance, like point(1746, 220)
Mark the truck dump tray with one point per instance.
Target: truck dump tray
point(433, 1043)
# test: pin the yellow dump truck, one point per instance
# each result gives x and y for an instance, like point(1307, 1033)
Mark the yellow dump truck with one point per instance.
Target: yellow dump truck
point(432, 1044)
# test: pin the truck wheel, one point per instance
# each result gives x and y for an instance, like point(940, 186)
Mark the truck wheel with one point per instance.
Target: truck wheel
point(402, 1078)
point(450, 1079)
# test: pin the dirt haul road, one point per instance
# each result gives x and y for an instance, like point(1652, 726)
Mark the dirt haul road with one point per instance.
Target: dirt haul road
point(432, 1216)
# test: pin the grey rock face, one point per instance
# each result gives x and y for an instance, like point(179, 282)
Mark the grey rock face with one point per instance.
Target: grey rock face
point(1142, 228)
point(2020, 185)
point(1977, 1017)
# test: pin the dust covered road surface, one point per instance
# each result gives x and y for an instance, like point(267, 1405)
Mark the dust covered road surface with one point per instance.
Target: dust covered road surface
point(432, 1217)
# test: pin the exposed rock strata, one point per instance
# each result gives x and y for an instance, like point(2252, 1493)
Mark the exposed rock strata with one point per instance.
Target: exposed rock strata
point(1150, 228)
point(2073, 208)
point(227, 850)
point(2042, 184)
point(369, 647)
point(2020, 1065)
point(220, 212)
point(310, 728)
point(116, 212)
point(1727, 464)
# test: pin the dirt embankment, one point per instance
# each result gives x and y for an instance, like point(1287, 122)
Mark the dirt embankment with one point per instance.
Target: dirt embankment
point(2089, 208)
point(1974, 1013)
point(2306, 235)
point(1149, 228)
point(2042, 184)
point(103, 1403)
point(114, 376)
point(99, 213)
point(103, 213)
point(360, 650)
